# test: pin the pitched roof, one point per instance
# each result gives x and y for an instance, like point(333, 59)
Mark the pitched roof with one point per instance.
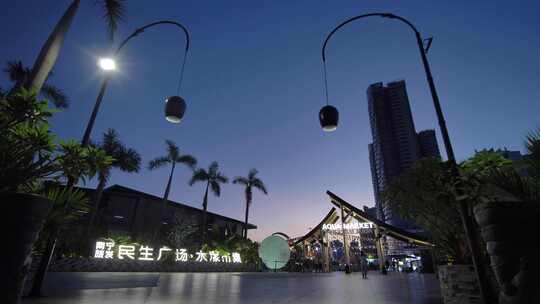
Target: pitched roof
point(330, 218)
point(393, 231)
point(123, 189)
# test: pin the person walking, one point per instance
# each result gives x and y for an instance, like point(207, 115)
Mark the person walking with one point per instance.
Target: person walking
point(363, 264)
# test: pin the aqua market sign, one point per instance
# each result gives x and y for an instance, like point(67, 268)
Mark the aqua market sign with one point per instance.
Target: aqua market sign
point(349, 226)
point(108, 250)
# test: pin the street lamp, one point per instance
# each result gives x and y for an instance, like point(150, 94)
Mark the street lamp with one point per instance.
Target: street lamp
point(175, 106)
point(328, 117)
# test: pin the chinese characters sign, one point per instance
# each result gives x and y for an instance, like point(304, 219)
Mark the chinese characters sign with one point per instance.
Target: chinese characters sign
point(109, 250)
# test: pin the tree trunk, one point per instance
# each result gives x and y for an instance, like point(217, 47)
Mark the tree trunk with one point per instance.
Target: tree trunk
point(248, 202)
point(164, 204)
point(51, 49)
point(90, 125)
point(205, 208)
point(97, 200)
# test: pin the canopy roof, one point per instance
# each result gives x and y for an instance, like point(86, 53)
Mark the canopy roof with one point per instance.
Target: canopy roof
point(350, 210)
point(330, 218)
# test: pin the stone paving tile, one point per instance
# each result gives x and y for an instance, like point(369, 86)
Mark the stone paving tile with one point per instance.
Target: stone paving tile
point(238, 288)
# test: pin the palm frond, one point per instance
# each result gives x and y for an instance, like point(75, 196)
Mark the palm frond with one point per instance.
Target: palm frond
point(199, 175)
point(252, 173)
point(172, 149)
point(16, 71)
point(110, 143)
point(532, 144)
point(158, 162)
point(215, 188)
point(187, 160)
point(76, 199)
point(213, 169)
point(240, 180)
point(220, 177)
point(257, 183)
point(113, 13)
point(521, 187)
point(531, 139)
point(128, 160)
point(55, 95)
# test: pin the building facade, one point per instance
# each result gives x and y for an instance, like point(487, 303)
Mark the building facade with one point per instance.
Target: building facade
point(396, 146)
point(129, 212)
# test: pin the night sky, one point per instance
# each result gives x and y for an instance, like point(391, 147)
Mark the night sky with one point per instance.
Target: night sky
point(253, 84)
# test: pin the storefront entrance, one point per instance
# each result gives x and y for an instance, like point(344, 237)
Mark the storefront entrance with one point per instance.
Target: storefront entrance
point(346, 232)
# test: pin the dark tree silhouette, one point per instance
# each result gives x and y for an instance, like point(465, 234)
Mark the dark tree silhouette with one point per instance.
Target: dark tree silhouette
point(125, 159)
point(173, 157)
point(18, 74)
point(249, 182)
point(213, 178)
point(113, 11)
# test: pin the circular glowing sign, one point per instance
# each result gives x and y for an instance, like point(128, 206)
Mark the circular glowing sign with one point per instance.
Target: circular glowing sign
point(274, 252)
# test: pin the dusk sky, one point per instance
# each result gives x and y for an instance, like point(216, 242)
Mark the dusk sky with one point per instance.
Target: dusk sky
point(253, 86)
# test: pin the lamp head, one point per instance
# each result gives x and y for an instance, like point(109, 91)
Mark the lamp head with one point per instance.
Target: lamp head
point(107, 64)
point(175, 107)
point(329, 117)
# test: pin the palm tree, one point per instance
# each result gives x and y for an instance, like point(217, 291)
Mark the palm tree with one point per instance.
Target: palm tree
point(19, 74)
point(249, 182)
point(112, 11)
point(125, 159)
point(172, 158)
point(213, 178)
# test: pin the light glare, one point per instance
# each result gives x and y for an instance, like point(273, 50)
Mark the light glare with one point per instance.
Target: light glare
point(107, 64)
point(173, 119)
point(329, 128)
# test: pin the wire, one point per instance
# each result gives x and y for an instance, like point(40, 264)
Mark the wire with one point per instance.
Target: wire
point(325, 81)
point(181, 76)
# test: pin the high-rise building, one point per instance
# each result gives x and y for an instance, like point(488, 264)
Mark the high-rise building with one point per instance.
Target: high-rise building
point(428, 144)
point(396, 146)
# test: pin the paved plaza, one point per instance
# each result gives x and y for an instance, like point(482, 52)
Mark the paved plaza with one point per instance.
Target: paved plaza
point(256, 288)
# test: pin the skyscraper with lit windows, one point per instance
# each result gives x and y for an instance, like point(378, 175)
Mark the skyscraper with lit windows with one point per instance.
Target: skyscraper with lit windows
point(396, 146)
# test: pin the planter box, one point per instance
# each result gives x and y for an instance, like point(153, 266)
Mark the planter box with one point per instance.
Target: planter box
point(23, 217)
point(510, 232)
point(458, 284)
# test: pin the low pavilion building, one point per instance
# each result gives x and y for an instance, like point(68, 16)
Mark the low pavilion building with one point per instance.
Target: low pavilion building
point(346, 230)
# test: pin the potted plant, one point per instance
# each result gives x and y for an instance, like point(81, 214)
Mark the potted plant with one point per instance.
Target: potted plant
point(507, 212)
point(426, 195)
point(29, 155)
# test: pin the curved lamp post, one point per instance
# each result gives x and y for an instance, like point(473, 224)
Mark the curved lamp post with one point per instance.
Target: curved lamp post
point(175, 106)
point(329, 117)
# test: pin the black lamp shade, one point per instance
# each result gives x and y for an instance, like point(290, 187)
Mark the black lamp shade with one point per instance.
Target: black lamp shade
point(175, 107)
point(329, 117)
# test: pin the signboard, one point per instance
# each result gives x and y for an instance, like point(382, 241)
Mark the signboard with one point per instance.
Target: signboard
point(350, 226)
point(109, 250)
